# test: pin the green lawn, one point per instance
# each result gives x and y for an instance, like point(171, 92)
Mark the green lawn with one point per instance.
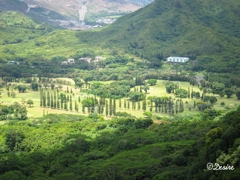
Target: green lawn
point(157, 90)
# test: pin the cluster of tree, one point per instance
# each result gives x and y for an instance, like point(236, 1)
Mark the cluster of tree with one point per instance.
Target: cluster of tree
point(16, 111)
point(123, 60)
point(181, 93)
point(22, 88)
point(58, 101)
point(165, 105)
point(170, 86)
point(100, 106)
point(220, 89)
point(177, 77)
point(113, 90)
point(123, 148)
point(152, 82)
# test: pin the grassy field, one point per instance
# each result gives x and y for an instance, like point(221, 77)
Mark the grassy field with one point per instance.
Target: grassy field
point(157, 90)
point(36, 110)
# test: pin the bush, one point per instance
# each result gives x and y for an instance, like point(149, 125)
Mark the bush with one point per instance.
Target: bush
point(101, 126)
point(181, 93)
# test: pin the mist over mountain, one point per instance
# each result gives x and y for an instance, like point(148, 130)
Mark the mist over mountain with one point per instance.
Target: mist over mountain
point(14, 5)
point(38, 13)
point(64, 13)
point(70, 8)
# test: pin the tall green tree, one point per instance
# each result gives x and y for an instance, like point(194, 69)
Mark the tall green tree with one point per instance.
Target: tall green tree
point(51, 104)
point(144, 105)
point(120, 103)
point(238, 94)
point(110, 107)
point(76, 106)
point(83, 108)
point(229, 92)
point(65, 106)
point(58, 104)
point(48, 99)
point(70, 105)
point(106, 108)
point(139, 105)
point(114, 106)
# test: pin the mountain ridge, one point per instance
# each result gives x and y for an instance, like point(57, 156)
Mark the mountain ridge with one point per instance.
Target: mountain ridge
point(163, 28)
point(179, 27)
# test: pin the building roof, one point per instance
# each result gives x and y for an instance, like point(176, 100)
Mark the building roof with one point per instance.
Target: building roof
point(177, 57)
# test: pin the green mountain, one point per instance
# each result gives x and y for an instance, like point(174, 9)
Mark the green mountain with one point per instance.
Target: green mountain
point(200, 29)
point(17, 29)
point(16, 19)
point(205, 31)
point(38, 13)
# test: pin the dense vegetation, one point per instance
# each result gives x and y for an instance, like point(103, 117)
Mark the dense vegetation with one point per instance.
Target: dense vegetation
point(76, 147)
point(180, 131)
point(199, 30)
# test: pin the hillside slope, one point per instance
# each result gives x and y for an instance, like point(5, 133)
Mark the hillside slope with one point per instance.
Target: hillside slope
point(56, 147)
point(15, 30)
point(204, 31)
point(14, 5)
point(38, 13)
point(181, 27)
point(70, 8)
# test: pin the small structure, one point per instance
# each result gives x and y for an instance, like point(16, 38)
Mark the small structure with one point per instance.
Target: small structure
point(13, 62)
point(70, 61)
point(177, 59)
point(64, 62)
point(98, 58)
point(85, 59)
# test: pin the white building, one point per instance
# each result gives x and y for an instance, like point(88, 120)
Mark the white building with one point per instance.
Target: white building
point(98, 58)
point(85, 59)
point(13, 62)
point(177, 59)
point(70, 61)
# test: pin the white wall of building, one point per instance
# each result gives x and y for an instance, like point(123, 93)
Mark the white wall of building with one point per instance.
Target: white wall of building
point(177, 59)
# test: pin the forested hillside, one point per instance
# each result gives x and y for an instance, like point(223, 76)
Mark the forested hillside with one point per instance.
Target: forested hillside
point(103, 104)
point(203, 30)
point(77, 147)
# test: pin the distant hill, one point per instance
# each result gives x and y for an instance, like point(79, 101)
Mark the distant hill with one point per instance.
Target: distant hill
point(208, 32)
point(16, 19)
point(14, 5)
point(40, 14)
point(62, 13)
point(94, 6)
point(16, 29)
point(202, 29)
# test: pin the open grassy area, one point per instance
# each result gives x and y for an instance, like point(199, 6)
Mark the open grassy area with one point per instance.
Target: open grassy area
point(159, 90)
point(156, 90)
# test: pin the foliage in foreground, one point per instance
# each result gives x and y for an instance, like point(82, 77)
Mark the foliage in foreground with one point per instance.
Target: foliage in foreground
point(77, 147)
